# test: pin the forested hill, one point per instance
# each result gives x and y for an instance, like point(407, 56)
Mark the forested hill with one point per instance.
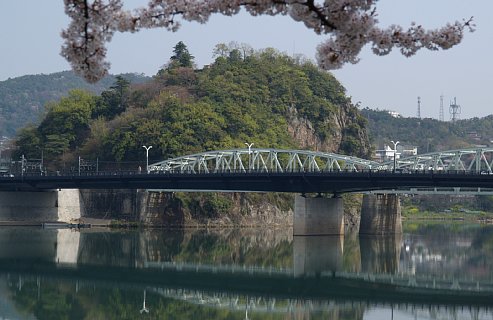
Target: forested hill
point(266, 98)
point(22, 99)
point(428, 134)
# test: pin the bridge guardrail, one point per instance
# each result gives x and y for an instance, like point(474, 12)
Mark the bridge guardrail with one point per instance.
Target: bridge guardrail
point(241, 173)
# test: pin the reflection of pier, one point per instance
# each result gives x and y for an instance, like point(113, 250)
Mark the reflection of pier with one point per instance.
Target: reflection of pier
point(316, 254)
point(380, 254)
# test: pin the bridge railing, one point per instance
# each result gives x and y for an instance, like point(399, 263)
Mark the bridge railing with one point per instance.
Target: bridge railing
point(479, 160)
point(130, 173)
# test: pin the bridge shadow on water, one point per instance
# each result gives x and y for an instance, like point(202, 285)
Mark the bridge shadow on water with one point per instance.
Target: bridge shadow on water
point(244, 273)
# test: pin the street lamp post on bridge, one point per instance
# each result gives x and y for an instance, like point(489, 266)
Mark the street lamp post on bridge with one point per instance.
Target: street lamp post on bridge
point(147, 157)
point(395, 154)
point(249, 145)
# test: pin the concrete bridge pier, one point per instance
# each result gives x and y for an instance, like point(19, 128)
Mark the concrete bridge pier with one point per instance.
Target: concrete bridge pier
point(380, 214)
point(318, 216)
point(44, 206)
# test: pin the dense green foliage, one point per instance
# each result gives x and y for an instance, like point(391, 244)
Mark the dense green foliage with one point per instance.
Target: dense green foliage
point(22, 99)
point(428, 134)
point(239, 98)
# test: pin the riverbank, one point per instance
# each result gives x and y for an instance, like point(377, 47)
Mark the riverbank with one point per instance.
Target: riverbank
point(470, 216)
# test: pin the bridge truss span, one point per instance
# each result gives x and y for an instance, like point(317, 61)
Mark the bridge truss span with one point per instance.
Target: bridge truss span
point(478, 160)
point(263, 160)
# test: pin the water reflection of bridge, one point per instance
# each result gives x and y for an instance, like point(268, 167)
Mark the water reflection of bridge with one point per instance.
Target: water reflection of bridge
point(318, 267)
point(396, 279)
point(234, 270)
point(286, 306)
point(258, 302)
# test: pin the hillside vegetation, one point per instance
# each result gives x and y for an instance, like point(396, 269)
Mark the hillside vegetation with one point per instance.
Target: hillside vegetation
point(22, 99)
point(257, 97)
point(428, 134)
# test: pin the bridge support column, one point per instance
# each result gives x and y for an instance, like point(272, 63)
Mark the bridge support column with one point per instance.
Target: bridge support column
point(380, 214)
point(45, 206)
point(318, 216)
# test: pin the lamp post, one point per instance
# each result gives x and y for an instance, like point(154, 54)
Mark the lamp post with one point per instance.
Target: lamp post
point(147, 157)
point(23, 165)
point(144, 309)
point(395, 153)
point(249, 145)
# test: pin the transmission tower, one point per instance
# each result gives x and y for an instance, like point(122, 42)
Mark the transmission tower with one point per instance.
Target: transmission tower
point(441, 116)
point(454, 110)
point(419, 108)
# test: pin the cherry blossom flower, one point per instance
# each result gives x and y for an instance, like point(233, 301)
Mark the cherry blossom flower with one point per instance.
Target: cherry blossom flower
point(349, 25)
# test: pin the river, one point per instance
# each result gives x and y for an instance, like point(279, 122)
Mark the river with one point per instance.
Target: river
point(431, 271)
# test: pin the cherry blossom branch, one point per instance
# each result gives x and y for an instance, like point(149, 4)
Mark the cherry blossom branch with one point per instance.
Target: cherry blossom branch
point(350, 25)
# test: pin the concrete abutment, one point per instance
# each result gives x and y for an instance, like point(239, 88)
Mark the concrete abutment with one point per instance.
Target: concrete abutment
point(44, 206)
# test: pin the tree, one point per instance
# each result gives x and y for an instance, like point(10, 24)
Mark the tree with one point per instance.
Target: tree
point(114, 100)
point(351, 24)
point(68, 119)
point(27, 142)
point(181, 57)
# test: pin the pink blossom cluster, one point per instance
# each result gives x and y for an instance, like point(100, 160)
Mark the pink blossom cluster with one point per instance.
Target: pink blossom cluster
point(349, 25)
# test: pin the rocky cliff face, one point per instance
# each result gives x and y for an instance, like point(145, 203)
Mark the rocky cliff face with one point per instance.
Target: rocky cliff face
point(166, 209)
point(343, 126)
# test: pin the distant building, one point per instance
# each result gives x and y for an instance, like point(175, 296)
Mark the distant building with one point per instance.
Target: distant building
point(387, 153)
point(473, 135)
point(409, 151)
point(395, 114)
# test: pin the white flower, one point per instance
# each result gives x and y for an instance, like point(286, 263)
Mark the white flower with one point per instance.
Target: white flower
point(350, 25)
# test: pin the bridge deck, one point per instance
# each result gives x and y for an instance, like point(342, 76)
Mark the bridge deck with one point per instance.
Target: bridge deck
point(296, 182)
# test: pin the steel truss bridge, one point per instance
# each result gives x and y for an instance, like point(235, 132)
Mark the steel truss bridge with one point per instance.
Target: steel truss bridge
point(471, 161)
point(478, 160)
point(275, 170)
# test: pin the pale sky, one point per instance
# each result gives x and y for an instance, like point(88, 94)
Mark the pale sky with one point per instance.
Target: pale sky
point(30, 33)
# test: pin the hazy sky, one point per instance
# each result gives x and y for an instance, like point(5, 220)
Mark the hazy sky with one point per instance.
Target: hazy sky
point(30, 32)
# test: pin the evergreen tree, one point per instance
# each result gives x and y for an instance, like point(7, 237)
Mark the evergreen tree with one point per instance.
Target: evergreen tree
point(181, 58)
point(114, 100)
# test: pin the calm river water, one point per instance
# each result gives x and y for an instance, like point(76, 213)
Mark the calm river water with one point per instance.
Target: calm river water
point(431, 271)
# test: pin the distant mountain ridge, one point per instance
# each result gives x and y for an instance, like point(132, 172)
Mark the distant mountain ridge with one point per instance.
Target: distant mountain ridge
point(22, 99)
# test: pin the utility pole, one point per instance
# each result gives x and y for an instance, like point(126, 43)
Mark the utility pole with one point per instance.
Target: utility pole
point(441, 116)
point(419, 108)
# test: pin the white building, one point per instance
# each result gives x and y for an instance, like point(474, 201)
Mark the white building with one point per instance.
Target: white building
point(387, 153)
